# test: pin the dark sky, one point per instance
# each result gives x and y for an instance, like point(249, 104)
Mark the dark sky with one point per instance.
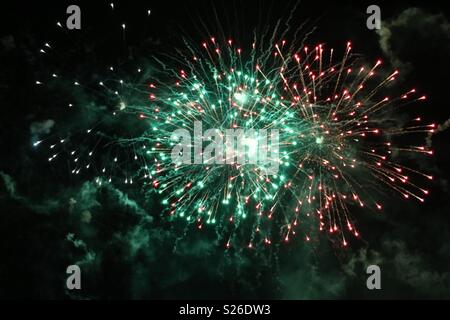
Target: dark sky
point(50, 219)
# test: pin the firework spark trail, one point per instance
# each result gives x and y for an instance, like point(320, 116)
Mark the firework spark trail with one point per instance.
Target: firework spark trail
point(334, 150)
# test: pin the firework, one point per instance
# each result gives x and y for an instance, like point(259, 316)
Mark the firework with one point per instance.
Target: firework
point(337, 138)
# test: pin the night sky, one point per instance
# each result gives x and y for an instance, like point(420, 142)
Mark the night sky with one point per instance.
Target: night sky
point(50, 219)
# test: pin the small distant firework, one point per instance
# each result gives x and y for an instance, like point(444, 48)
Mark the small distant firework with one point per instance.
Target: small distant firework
point(339, 141)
